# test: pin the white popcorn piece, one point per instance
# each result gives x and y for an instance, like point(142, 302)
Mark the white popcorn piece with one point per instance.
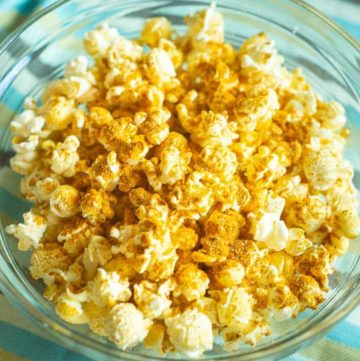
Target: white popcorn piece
point(190, 332)
point(107, 288)
point(260, 53)
point(126, 326)
point(159, 66)
point(153, 300)
point(30, 232)
point(98, 41)
point(206, 26)
point(27, 123)
point(65, 157)
point(26, 157)
point(270, 229)
point(234, 307)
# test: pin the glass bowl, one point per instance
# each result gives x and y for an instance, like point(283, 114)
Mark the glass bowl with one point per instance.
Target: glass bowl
point(37, 52)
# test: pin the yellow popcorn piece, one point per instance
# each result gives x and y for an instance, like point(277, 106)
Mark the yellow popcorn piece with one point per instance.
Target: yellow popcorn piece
point(69, 308)
point(64, 201)
point(155, 30)
point(349, 223)
point(321, 169)
point(229, 273)
point(183, 188)
point(191, 282)
point(48, 257)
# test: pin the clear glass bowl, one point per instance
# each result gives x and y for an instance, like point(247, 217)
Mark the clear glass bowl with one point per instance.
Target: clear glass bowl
point(37, 52)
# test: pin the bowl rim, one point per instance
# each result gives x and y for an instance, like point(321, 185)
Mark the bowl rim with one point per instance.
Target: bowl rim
point(71, 339)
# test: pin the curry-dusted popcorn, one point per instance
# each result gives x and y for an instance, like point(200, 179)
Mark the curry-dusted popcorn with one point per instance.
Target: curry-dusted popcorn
point(183, 189)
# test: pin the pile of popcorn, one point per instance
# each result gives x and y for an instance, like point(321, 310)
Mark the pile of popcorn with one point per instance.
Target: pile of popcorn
point(182, 189)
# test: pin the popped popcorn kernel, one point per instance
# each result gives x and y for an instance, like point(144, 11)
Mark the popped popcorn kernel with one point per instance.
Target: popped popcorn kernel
point(159, 67)
point(234, 307)
point(190, 332)
point(205, 26)
point(64, 201)
point(65, 157)
point(153, 300)
point(307, 290)
point(229, 273)
point(107, 288)
point(126, 326)
point(97, 42)
point(30, 232)
point(69, 308)
point(191, 282)
point(349, 223)
point(321, 169)
point(96, 205)
point(155, 30)
point(183, 189)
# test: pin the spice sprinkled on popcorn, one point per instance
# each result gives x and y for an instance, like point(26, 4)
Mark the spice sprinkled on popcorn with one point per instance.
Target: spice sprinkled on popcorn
point(183, 189)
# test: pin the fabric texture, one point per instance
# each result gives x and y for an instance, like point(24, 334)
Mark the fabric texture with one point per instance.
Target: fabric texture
point(21, 341)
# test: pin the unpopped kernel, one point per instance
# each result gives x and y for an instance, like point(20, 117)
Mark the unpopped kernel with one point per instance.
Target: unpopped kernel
point(182, 188)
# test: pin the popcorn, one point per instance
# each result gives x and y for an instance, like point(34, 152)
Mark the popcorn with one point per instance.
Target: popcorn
point(26, 157)
point(122, 51)
point(308, 214)
point(158, 66)
point(65, 157)
point(259, 52)
point(205, 26)
point(69, 308)
point(271, 230)
point(190, 332)
point(331, 115)
point(229, 273)
point(46, 258)
point(106, 171)
point(307, 290)
point(219, 160)
point(191, 282)
point(320, 169)
point(59, 112)
point(183, 189)
point(97, 42)
point(349, 223)
point(234, 307)
point(64, 201)
point(27, 123)
point(126, 325)
point(107, 289)
point(173, 165)
point(96, 205)
point(251, 111)
point(155, 30)
point(212, 128)
point(30, 232)
point(297, 242)
point(98, 252)
point(45, 187)
point(153, 300)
